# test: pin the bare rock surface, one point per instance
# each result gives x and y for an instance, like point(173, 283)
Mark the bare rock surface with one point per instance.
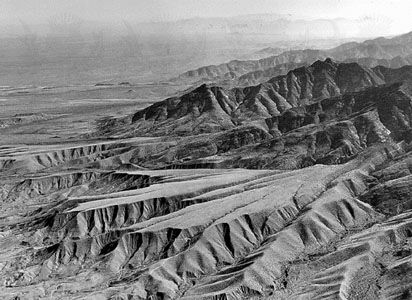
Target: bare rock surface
point(298, 188)
point(206, 233)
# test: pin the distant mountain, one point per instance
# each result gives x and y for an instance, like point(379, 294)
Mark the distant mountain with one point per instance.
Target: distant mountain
point(258, 76)
point(395, 62)
point(266, 52)
point(379, 48)
point(394, 52)
point(273, 26)
point(237, 67)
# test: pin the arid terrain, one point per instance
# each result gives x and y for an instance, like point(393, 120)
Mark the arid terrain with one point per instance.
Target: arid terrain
point(283, 177)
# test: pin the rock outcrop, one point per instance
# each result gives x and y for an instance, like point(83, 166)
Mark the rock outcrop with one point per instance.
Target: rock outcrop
point(296, 188)
point(210, 108)
point(321, 231)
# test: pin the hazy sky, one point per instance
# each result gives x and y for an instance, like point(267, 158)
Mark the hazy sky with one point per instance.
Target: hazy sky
point(40, 11)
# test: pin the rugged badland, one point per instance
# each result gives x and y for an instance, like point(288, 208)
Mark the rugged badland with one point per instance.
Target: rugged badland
point(287, 177)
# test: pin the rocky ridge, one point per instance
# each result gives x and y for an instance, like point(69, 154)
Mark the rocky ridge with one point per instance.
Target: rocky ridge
point(297, 188)
point(392, 53)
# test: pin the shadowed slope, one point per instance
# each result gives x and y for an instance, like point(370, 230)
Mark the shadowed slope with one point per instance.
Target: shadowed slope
point(210, 109)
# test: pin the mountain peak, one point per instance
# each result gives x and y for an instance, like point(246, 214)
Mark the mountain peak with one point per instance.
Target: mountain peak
point(202, 88)
point(328, 63)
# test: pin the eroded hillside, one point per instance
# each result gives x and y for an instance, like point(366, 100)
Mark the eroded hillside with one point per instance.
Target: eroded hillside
point(296, 188)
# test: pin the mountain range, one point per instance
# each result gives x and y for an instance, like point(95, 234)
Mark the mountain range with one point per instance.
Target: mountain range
point(328, 99)
point(297, 186)
point(390, 52)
